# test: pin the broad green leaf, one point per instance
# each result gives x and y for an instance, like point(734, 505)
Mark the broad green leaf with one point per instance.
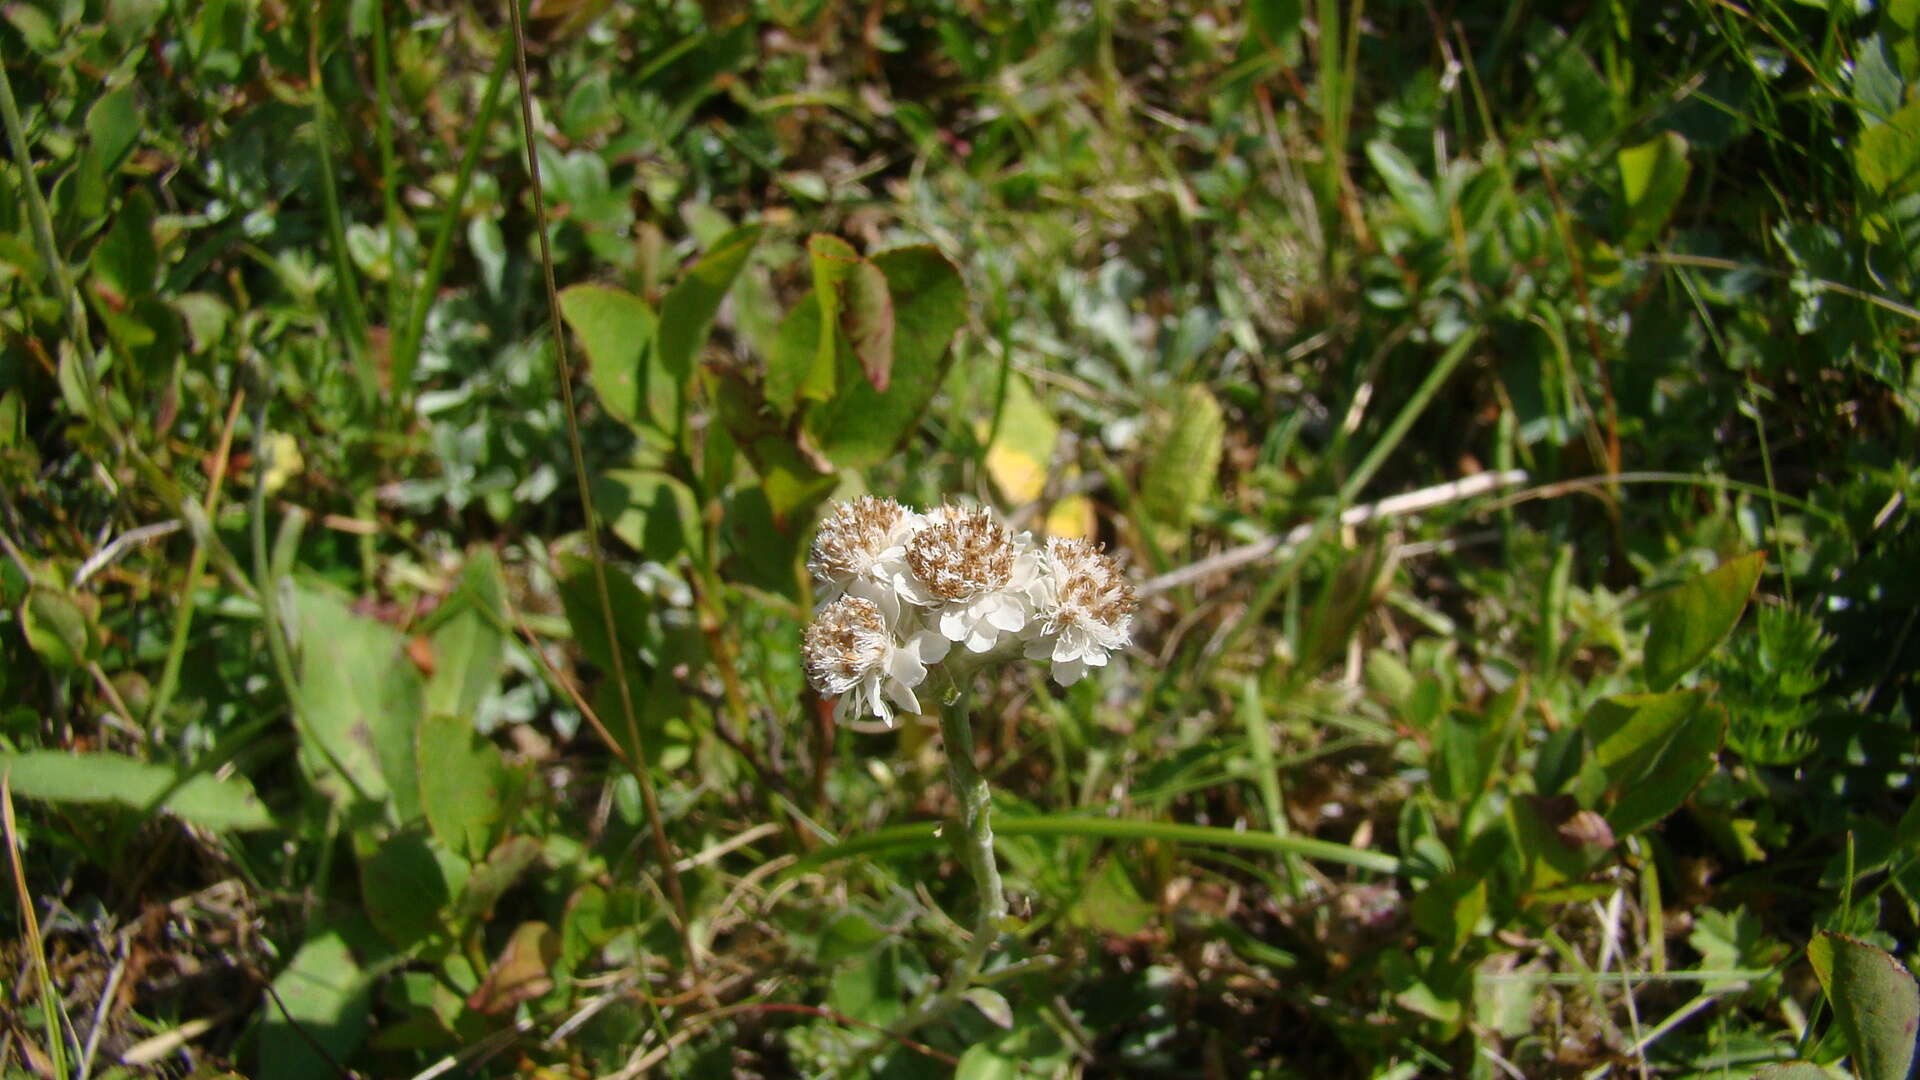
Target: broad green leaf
point(764, 552)
point(1875, 1000)
point(686, 315)
point(580, 596)
point(1653, 176)
point(617, 330)
point(468, 640)
point(983, 1062)
point(62, 776)
point(126, 259)
point(1793, 1070)
point(866, 317)
point(868, 988)
point(1687, 760)
point(57, 628)
point(1110, 904)
point(1630, 732)
point(1189, 439)
point(1690, 619)
point(862, 426)
point(523, 970)
point(992, 1005)
point(793, 480)
point(1022, 448)
point(1887, 156)
point(491, 879)
point(1412, 191)
point(1472, 747)
point(406, 885)
point(1449, 907)
point(833, 261)
point(463, 784)
point(113, 126)
point(327, 997)
point(361, 699)
point(652, 512)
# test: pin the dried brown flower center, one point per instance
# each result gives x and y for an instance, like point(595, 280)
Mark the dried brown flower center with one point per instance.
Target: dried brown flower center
point(1091, 583)
point(859, 531)
point(965, 554)
point(847, 639)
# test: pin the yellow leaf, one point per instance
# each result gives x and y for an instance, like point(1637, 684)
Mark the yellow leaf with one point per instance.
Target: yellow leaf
point(1023, 447)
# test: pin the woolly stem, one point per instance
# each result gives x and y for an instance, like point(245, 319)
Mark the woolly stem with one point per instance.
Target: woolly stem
point(976, 850)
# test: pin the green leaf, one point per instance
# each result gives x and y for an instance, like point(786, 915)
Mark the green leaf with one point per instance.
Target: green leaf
point(1686, 763)
point(982, 1062)
point(992, 1005)
point(126, 259)
point(862, 426)
point(463, 784)
point(652, 512)
point(1689, 620)
point(1792, 1070)
point(491, 879)
point(616, 330)
point(113, 126)
point(57, 628)
point(468, 641)
point(1450, 907)
point(833, 261)
point(1887, 156)
point(61, 776)
point(327, 998)
point(1630, 731)
point(361, 698)
point(1653, 176)
point(580, 597)
point(1875, 1000)
point(1412, 191)
point(406, 885)
point(1110, 904)
point(1188, 442)
point(793, 481)
point(1654, 749)
point(866, 317)
point(686, 315)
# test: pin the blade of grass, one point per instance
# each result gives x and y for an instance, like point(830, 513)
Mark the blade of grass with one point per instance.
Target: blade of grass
point(406, 353)
point(925, 834)
point(50, 1010)
point(347, 285)
point(389, 169)
point(642, 772)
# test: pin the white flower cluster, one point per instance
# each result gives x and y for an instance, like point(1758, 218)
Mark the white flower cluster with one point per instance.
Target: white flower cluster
point(899, 589)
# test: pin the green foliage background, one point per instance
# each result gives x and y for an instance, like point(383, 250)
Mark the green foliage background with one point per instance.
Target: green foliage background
point(338, 738)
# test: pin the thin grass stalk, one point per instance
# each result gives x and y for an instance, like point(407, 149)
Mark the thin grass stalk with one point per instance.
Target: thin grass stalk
point(50, 1010)
point(406, 354)
point(389, 167)
point(70, 304)
point(347, 283)
point(169, 682)
point(663, 847)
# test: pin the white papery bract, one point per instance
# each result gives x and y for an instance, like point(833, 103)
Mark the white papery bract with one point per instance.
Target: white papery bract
point(898, 588)
point(1085, 610)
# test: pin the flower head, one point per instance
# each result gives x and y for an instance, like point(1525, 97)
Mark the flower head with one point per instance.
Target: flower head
point(1085, 609)
point(862, 541)
point(851, 654)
